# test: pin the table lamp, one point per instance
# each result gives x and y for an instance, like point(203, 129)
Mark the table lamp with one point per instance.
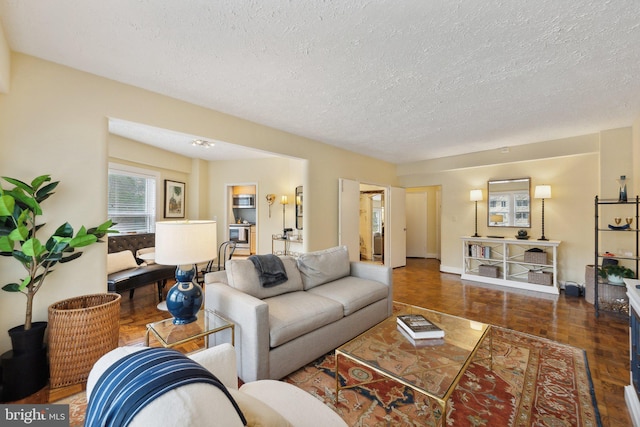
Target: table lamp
point(542, 192)
point(184, 244)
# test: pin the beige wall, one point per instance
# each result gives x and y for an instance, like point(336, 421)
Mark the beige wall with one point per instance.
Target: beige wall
point(571, 166)
point(54, 120)
point(5, 63)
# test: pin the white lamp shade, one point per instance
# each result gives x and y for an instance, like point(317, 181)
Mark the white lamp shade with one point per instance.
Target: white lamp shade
point(475, 195)
point(542, 192)
point(185, 242)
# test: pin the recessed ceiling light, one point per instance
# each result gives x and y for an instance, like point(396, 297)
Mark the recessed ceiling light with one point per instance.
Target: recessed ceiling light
point(202, 143)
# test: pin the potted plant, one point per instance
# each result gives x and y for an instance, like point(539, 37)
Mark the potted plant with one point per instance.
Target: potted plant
point(20, 207)
point(615, 273)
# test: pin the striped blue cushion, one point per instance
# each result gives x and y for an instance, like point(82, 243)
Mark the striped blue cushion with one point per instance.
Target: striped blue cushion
point(132, 382)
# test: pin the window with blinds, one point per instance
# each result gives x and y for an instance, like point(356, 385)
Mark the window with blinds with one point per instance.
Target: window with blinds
point(132, 200)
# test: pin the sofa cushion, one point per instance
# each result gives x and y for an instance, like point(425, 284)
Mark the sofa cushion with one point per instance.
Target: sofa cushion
point(243, 275)
point(257, 413)
point(353, 293)
point(324, 266)
point(119, 261)
point(297, 313)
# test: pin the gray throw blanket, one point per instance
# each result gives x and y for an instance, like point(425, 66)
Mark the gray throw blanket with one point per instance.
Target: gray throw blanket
point(270, 270)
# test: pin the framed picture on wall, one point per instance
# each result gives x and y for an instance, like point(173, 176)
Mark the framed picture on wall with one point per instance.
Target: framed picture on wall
point(174, 199)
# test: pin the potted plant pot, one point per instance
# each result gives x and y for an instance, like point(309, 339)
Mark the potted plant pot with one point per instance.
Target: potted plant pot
point(25, 369)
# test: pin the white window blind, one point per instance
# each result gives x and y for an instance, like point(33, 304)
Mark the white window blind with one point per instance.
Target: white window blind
point(132, 200)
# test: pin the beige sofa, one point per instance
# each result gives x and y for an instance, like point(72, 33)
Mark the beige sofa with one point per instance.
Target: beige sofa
point(263, 403)
point(325, 302)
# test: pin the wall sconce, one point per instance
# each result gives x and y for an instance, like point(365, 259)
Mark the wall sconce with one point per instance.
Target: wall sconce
point(542, 192)
point(284, 201)
point(476, 196)
point(270, 199)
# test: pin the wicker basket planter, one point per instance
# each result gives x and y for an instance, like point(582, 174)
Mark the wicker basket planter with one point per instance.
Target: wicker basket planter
point(81, 330)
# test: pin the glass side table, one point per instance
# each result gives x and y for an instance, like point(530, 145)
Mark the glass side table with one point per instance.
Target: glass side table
point(209, 322)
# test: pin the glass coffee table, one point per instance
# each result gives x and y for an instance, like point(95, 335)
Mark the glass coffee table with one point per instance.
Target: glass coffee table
point(432, 368)
point(208, 322)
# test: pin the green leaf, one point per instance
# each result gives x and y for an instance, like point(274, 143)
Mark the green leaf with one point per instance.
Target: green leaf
point(46, 191)
point(27, 200)
point(75, 255)
point(65, 230)
point(26, 187)
point(57, 245)
point(25, 282)
point(7, 204)
point(20, 256)
point(19, 234)
point(11, 287)
point(83, 240)
point(33, 248)
point(6, 244)
point(38, 181)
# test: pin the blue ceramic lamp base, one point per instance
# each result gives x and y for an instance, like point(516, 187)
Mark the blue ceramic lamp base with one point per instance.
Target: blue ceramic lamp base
point(184, 299)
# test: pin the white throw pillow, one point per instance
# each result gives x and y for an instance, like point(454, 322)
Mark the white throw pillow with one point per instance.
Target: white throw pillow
point(119, 261)
point(324, 266)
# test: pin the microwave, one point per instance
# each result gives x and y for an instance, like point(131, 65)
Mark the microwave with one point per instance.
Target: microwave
point(244, 201)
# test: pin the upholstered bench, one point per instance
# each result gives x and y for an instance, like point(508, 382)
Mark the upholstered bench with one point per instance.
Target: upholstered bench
point(126, 271)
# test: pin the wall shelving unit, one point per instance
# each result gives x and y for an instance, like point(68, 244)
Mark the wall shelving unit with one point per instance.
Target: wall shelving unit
point(625, 251)
point(504, 259)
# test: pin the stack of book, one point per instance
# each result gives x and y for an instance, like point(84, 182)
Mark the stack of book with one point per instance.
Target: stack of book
point(419, 330)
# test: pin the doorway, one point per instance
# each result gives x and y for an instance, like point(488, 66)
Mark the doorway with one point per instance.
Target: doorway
point(423, 221)
point(372, 214)
point(389, 221)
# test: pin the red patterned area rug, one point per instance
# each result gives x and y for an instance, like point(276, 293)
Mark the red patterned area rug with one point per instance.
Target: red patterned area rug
point(532, 382)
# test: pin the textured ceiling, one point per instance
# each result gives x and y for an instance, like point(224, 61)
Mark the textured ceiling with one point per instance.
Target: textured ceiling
point(400, 80)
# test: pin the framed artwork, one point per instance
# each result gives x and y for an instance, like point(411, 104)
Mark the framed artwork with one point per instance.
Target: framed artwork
point(174, 203)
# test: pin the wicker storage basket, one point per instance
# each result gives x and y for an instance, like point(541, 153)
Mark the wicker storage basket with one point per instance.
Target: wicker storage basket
point(488, 270)
point(81, 330)
point(535, 257)
point(540, 277)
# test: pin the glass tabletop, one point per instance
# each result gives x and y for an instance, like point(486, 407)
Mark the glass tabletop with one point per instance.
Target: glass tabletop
point(432, 366)
point(207, 322)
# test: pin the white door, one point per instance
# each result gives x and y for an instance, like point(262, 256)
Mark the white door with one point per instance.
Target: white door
point(349, 217)
point(416, 208)
point(397, 228)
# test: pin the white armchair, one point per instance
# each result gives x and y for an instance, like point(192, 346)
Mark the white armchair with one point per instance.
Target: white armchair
point(263, 403)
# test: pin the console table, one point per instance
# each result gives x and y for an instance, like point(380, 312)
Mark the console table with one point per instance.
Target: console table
point(517, 263)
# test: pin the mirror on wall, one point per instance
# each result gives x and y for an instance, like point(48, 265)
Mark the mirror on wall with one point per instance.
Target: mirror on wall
point(299, 207)
point(509, 203)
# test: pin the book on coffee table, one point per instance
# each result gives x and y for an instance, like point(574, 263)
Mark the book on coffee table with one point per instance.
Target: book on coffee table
point(418, 327)
point(421, 342)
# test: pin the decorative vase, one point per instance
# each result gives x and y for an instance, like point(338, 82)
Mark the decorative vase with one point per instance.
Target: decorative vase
point(622, 196)
point(184, 299)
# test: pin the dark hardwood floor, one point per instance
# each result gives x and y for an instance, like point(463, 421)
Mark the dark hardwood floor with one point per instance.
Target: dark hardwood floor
point(565, 319)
